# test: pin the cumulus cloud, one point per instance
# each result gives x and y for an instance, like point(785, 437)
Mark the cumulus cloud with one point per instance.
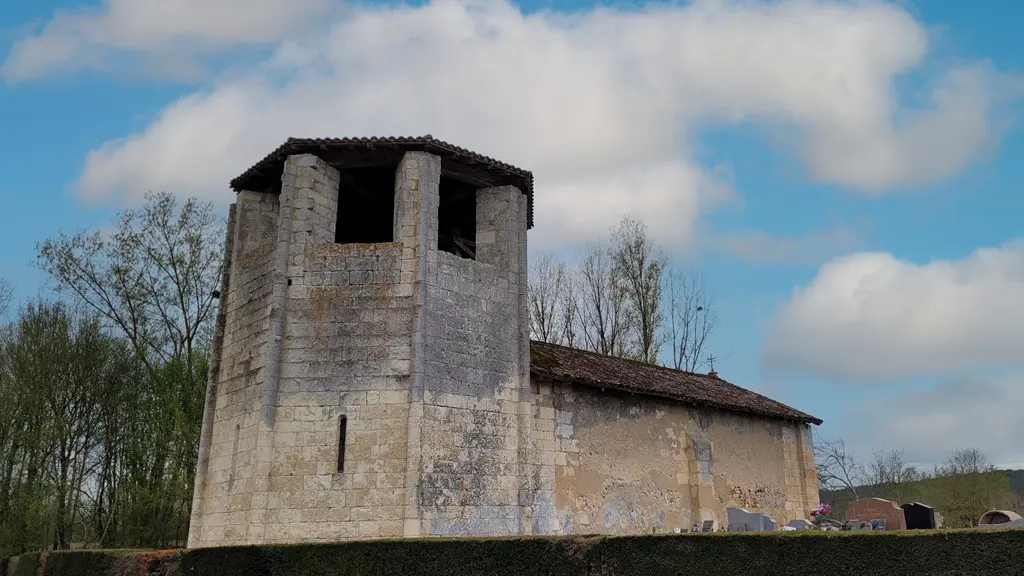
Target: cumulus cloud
point(602, 104)
point(813, 247)
point(168, 35)
point(975, 411)
point(870, 316)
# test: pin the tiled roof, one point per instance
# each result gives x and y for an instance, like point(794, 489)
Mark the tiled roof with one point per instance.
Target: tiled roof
point(564, 364)
point(267, 172)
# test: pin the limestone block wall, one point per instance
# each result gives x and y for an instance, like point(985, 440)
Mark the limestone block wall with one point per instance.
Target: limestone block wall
point(223, 482)
point(628, 464)
point(546, 451)
point(474, 387)
point(314, 332)
point(422, 354)
point(346, 354)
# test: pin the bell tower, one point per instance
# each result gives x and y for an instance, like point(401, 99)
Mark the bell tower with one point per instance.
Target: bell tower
point(370, 370)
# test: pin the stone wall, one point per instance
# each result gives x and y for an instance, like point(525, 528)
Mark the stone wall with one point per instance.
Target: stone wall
point(629, 464)
point(423, 353)
point(224, 478)
point(475, 382)
point(346, 353)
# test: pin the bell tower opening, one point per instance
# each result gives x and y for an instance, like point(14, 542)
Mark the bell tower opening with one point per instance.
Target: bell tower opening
point(456, 218)
point(366, 205)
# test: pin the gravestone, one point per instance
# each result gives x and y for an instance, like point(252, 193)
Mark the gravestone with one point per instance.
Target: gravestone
point(1004, 525)
point(919, 516)
point(859, 526)
point(878, 524)
point(993, 517)
point(751, 521)
point(881, 509)
point(799, 524)
point(708, 526)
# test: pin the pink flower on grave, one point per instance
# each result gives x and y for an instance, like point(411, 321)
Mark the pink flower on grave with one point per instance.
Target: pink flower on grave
point(822, 510)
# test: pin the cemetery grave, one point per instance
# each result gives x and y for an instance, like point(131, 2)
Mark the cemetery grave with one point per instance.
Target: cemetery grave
point(919, 516)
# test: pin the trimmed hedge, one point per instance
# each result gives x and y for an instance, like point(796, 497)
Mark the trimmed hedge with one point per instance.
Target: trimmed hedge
point(81, 562)
point(78, 563)
point(941, 553)
point(84, 562)
point(24, 565)
point(436, 557)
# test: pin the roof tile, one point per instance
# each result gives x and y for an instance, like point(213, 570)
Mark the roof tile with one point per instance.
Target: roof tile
point(561, 363)
point(271, 165)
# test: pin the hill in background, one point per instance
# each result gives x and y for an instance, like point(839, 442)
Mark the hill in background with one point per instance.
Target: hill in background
point(961, 499)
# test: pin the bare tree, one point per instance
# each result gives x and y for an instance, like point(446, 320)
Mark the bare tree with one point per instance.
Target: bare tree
point(887, 467)
point(837, 467)
point(547, 293)
point(621, 299)
point(153, 280)
point(889, 474)
point(603, 310)
point(965, 461)
point(569, 315)
point(691, 319)
point(638, 266)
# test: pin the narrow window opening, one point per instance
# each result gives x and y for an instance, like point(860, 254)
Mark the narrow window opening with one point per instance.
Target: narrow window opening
point(234, 454)
point(366, 206)
point(341, 444)
point(456, 218)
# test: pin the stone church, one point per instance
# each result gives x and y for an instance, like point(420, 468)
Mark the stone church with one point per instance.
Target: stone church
point(372, 374)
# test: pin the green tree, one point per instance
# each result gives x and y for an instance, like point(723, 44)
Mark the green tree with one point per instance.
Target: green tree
point(55, 364)
point(153, 282)
point(967, 486)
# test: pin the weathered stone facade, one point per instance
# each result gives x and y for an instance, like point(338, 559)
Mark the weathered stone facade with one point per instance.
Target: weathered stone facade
point(630, 464)
point(422, 357)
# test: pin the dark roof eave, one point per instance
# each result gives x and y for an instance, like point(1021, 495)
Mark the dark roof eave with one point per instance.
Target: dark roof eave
point(562, 363)
point(425, 143)
point(655, 394)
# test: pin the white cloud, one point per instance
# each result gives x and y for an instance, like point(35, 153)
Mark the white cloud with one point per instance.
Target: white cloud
point(167, 34)
point(921, 146)
point(870, 316)
point(602, 105)
point(813, 247)
point(928, 423)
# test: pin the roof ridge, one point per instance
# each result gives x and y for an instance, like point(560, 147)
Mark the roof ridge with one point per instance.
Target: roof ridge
point(635, 361)
point(600, 370)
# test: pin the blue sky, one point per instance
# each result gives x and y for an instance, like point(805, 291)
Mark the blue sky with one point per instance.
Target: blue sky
point(846, 175)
